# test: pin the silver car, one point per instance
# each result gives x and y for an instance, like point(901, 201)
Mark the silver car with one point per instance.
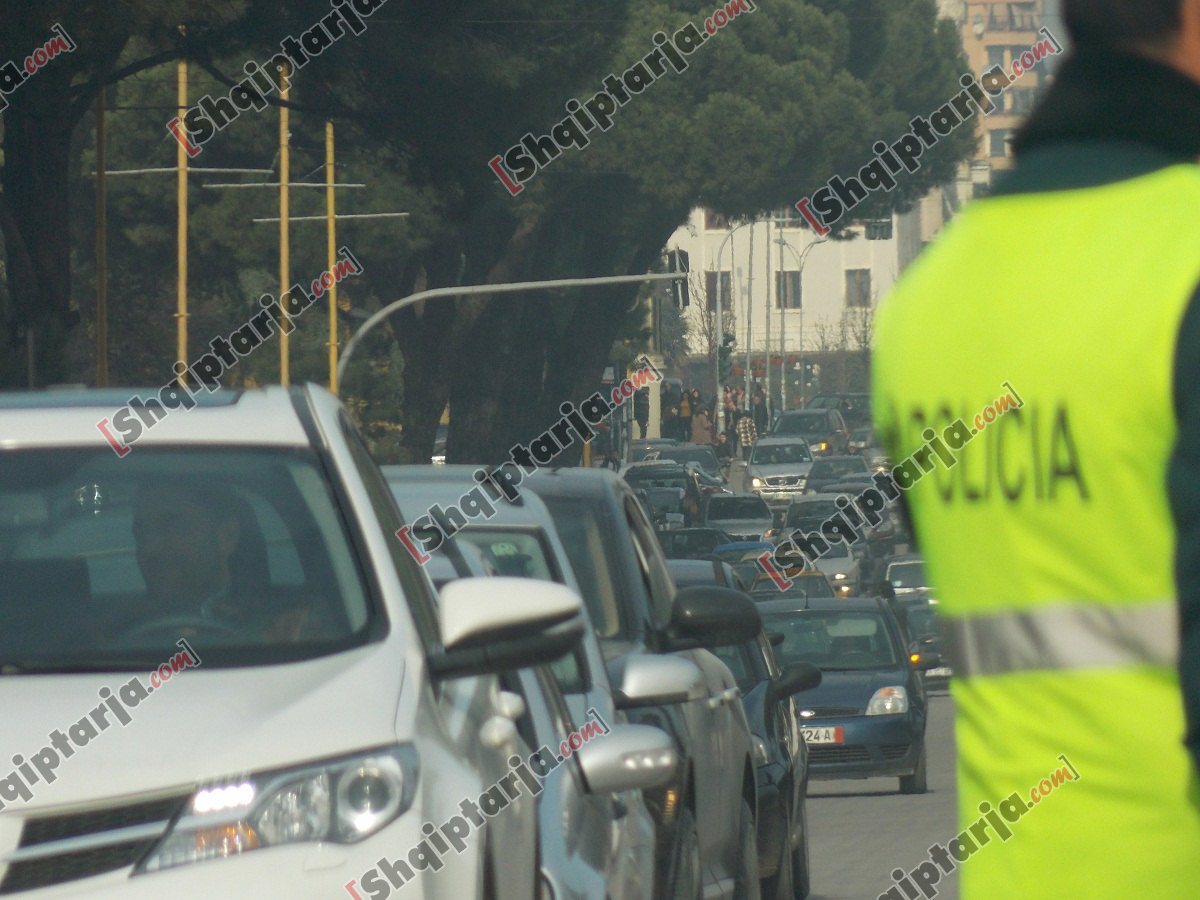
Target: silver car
point(606, 849)
point(778, 469)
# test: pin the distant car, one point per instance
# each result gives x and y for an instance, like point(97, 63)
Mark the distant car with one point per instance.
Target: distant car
point(906, 575)
point(641, 449)
point(803, 585)
point(691, 572)
point(868, 716)
point(824, 429)
point(656, 640)
point(745, 517)
point(741, 551)
point(832, 469)
point(778, 469)
point(780, 755)
point(703, 454)
point(861, 439)
point(855, 408)
point(918, 617)
point(691, 543)
point(665, 506)
point(842, 565)
point(769, 699)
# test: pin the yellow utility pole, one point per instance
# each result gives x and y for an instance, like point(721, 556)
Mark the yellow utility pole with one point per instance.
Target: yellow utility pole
point(181, 178)
point(331, 254)
point(101, 250)
point(284, 262)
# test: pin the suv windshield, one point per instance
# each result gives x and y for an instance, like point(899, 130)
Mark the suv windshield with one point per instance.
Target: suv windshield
point(703, 455)
point(807, 510)
point(690, 543)
point(243, 552)
point(658, 477)
point(838, 468)
point(907, 575)
point(779, 454)
point(815, 422)
point(832, 640)
point(737, 508)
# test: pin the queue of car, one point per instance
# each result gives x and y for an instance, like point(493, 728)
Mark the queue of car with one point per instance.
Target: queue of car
point(355, 692)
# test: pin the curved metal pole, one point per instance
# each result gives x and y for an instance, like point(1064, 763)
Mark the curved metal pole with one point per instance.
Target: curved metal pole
point(504, 288)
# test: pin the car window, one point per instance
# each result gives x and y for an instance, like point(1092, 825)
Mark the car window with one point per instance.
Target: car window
point(585, 543)
point(780, 454)
point(659, 586)
point(738, 508)
point(907, 575)
point(813, 422)
point(244, 552)
point(834, 640)
point(811, 509)
point(736, 657)
point(523, 553)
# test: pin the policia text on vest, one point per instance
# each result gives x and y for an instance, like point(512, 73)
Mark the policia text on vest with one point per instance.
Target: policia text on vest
point(842, 526)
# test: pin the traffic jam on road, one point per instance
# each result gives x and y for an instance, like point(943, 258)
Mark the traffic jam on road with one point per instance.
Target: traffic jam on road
point(590, 684)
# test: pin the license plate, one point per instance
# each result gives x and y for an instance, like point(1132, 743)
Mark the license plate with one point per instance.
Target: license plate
point(939, 672)
point(826, 735)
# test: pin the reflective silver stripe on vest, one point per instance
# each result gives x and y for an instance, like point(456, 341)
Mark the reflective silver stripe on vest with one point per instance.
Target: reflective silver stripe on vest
point(1073, 636)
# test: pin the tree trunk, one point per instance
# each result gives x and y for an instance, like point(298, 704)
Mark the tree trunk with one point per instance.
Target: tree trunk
point(37, 145)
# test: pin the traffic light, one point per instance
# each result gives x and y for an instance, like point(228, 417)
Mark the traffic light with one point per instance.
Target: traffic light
point(677, 261)
point(725, 359)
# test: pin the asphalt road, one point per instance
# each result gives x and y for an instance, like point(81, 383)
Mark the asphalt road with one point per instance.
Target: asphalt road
point(861, 830)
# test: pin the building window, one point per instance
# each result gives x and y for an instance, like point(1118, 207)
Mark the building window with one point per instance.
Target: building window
point(788, 214)
point(710, 290)
point(878, 229)
point(715, 221)
point(1022, 100)
point(858, 287)
point(995, 56)
point(787, 290)
point(998, 139)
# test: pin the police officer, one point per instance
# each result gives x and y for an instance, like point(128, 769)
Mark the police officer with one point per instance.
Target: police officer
point(1063, 537)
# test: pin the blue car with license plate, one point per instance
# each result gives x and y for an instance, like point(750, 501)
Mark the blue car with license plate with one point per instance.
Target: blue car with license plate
point(867, 718)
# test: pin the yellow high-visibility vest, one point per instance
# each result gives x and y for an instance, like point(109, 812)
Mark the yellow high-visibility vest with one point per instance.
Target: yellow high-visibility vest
point(1047, 535)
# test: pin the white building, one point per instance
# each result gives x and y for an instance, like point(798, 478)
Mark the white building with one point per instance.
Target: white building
point(788, 290)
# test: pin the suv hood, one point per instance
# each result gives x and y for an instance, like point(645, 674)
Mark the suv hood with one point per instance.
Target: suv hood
point(779, 468)
point(202, 724)
point(850, 689)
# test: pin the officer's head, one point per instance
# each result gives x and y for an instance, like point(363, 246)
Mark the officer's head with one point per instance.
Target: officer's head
point(1168, 30)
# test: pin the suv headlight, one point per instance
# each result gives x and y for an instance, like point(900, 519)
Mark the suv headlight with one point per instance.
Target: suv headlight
point(342, 801)
point(756, 482)
point(888, 701)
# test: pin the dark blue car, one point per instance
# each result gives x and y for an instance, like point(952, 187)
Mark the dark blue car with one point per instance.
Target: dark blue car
point(867, 718)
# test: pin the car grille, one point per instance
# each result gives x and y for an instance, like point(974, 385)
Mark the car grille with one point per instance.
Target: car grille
point(72, 846)
point(784, 480)
point(895, 751)
point(848, 754)
point(828, 712)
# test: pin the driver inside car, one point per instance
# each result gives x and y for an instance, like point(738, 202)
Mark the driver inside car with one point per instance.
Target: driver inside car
point(193, 551)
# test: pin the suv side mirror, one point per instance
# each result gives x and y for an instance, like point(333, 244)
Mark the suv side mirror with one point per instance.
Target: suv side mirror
point(711, 616)
point(653, 680)
point(797, 677)
point(495, 624)
point(628, 758)
point(775, 638)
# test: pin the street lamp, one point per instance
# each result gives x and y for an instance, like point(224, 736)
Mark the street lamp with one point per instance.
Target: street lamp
point(800, 260)
point(720, 329)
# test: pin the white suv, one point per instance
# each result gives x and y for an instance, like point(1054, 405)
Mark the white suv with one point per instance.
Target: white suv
point(325, 727)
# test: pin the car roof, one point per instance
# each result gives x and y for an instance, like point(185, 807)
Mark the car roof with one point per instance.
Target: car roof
point(417, 485)
point(799, 604)
point(767, 439)
point(70, 417)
